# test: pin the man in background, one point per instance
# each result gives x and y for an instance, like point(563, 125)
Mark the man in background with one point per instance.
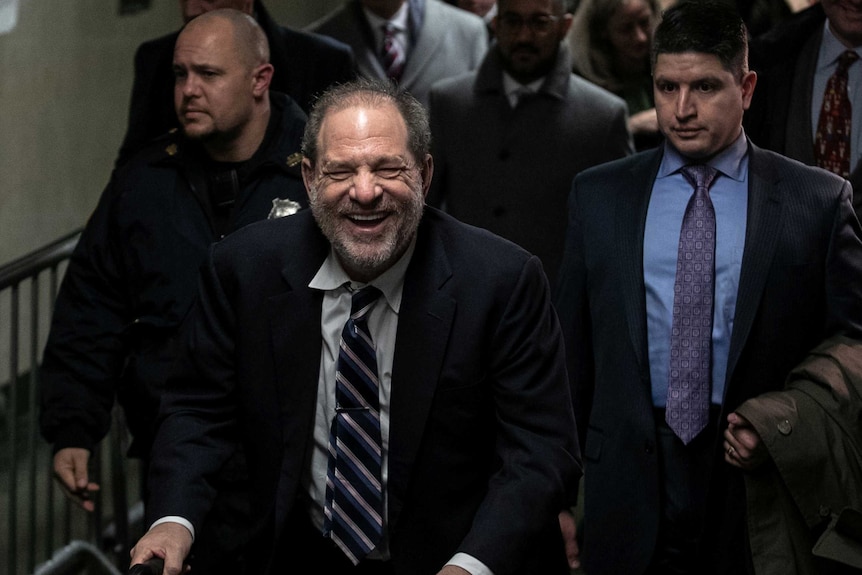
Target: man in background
point(413, 42)
point(303, 65)
point(133, 275)
point(808, 104)
point(510, 136)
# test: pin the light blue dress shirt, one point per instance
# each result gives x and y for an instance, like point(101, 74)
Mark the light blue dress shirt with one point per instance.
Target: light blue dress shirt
point(670, 195)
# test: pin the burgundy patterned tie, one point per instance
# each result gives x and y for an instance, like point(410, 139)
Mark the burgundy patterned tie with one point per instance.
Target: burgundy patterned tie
point(832, 140)
point(392, 56)
point(688, 390)
point(354, 494)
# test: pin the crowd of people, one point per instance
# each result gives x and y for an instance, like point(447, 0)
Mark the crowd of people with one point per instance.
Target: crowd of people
point(480, 288)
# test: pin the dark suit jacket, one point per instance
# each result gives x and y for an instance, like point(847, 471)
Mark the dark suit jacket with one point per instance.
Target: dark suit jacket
point(510, 171)
point(801, 280)
point(779, 118)
point(305, 64)
point(482, 447)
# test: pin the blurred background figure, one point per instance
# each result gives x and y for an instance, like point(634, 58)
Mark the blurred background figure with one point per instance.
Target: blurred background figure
point(487, 9)
point(305, 64)
point(509, 137)
point(411, 42)
point(610, 41)
point(809, 79)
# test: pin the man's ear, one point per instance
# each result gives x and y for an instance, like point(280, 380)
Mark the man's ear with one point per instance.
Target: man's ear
point(427, 172)
point(307, 174)
point(262, 78)
point(749, 81)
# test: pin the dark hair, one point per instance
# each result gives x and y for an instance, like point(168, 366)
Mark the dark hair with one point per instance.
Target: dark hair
point(372, 93)
point(558, 6)
point(706, 26)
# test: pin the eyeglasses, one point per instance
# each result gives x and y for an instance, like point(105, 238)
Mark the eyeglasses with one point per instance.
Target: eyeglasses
point(512, 23)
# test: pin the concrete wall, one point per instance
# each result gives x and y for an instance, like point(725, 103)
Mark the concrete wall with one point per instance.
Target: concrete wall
point(65, 80)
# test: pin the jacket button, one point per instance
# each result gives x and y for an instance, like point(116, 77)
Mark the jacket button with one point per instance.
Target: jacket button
point(825, 511)
point(784, 427)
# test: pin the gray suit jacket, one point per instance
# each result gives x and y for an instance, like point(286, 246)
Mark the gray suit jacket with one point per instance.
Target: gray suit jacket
point(510, 170)
point(446, 41)
point(801, 281)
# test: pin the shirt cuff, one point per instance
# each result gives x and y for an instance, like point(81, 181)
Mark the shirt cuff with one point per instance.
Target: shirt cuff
point(176, 519)
point(469, 563)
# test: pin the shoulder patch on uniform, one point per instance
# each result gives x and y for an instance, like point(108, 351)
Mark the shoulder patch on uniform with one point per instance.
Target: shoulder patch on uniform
point(294, 159)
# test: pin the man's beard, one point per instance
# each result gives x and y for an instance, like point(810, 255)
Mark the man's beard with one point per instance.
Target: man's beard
point(373, 256)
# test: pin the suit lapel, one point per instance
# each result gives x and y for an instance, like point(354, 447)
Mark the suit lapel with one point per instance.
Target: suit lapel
point(630, 223)
point(761, 239)
point(424, 322)
point(296, 337)
point(428, 42)
point(799, 142)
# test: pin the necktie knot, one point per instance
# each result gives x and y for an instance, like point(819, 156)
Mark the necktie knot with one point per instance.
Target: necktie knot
point(699, 175)
point(362, 301)
point(845, 60)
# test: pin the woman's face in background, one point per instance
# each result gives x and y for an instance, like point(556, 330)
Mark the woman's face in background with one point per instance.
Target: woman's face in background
point(630, 32)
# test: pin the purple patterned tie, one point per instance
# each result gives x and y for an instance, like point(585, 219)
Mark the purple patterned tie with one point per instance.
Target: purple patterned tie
point(354, 494)
point(688, 390)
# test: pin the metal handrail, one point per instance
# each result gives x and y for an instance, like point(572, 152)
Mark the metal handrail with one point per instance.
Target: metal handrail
point(35, 262)
point(77, 557)
point(53, 536)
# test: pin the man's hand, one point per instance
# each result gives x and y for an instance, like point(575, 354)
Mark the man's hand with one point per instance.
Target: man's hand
point(70, 471)
point(569, 530)
point(170, 541)
point(452, 570)
point(743, 447)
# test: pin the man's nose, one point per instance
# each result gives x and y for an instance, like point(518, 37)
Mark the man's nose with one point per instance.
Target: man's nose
point(684, 104)
point(366, 187)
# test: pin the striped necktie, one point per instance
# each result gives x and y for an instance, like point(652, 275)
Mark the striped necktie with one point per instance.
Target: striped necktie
point(392, 55)
point(354, 494)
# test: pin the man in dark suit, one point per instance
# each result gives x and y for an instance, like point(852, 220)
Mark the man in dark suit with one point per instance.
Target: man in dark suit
point(505, 162)
point(662, 493)
point(305, 64)
point(794, 62)
point(478, 444)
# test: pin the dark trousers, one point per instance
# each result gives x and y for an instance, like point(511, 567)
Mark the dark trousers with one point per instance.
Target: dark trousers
point(685, 476)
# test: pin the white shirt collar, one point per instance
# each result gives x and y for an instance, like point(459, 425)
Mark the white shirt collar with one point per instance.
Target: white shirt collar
point(332, 276)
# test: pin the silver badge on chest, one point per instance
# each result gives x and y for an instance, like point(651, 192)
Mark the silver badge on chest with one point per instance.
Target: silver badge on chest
point(282, 208)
